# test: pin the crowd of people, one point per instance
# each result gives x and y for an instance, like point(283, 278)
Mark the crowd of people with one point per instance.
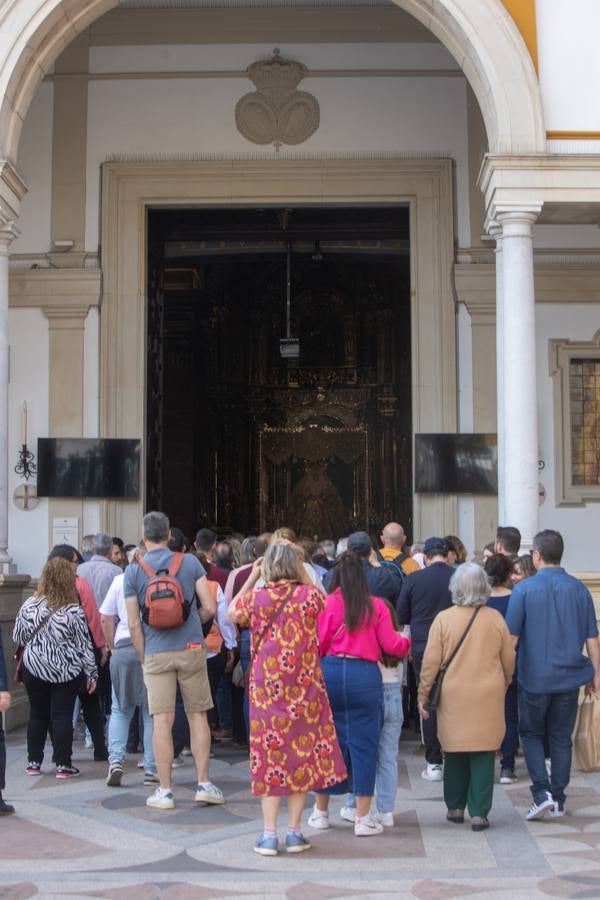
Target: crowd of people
point(314, 655)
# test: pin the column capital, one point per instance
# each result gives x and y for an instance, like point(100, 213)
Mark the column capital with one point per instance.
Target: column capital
point(8, 232)
point(514, 218)
point(67, 316)
point(12, 191)
point(494, 229)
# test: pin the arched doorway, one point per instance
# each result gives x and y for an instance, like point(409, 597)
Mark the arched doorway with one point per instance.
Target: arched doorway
point(481, 36)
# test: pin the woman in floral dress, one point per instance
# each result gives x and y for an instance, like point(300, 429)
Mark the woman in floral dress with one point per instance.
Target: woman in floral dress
point(293, 745)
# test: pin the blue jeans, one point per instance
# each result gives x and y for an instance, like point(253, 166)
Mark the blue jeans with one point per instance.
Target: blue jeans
point(558, 712)
point(356, 697)
point(510, 743)
point(386, 776)
point(118, 731)
point(386, 781)
point(245, 658)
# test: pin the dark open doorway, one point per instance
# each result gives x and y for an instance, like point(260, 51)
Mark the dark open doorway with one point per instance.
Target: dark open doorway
point(238, 436)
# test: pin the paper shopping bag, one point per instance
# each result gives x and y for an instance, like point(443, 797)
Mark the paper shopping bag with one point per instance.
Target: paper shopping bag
point(587, 735)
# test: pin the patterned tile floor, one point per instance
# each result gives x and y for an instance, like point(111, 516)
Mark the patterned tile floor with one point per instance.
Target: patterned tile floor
point(80, 839)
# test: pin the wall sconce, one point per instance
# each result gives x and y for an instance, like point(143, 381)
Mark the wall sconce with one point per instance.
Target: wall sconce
point(25, 458)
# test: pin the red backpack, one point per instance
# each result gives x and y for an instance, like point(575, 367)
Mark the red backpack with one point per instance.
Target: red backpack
point(164, 603)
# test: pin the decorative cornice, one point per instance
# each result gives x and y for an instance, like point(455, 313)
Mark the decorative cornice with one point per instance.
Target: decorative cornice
point(55, 289)
point(475, 284)
point(216, 74)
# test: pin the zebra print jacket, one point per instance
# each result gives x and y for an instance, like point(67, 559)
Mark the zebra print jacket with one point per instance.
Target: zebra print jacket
point(62, 648)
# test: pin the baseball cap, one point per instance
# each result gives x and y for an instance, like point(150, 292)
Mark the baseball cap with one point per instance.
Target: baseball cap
point(436, 545)
point(360, 543)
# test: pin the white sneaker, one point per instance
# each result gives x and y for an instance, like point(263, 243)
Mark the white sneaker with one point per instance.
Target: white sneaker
point(385, 819)
point(115, 775)
point(433, 772)
point(557, 812)
point(209, 794)
point(539, 810)
point(348, 813)
point(89, 744)
point(161, 799)
point(368, 828)
point(319, 819)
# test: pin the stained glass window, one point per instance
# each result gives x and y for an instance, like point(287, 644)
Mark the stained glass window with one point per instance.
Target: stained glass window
point(584, 383)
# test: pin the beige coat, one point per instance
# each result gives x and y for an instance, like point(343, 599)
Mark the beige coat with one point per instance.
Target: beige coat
point(471, 708)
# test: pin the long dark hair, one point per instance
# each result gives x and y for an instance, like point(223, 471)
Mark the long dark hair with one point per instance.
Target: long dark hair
point(348, 575)
point(387, 660)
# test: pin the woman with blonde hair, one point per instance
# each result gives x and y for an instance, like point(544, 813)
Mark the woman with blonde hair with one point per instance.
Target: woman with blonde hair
point(473, 642)
point(52, 630)
point(293, 747)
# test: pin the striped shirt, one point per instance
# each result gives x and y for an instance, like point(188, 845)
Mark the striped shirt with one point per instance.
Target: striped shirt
point(62, 648)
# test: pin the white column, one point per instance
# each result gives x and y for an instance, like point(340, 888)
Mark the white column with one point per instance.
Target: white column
point(7, 233)
point(517, 407)
point(495, 229)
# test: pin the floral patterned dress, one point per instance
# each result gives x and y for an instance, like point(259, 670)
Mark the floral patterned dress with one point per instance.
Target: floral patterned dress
point(293, 745)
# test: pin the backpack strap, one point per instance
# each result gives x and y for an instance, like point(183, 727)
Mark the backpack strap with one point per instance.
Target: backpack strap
point(176, 564)
point(146, 568)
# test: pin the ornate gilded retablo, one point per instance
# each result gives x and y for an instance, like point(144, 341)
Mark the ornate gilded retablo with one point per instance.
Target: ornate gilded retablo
point(276, 112)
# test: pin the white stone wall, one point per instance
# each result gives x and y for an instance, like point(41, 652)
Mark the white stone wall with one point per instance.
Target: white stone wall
point(368, 115)
point(29, 360)
point(569, 66)
point(35, 165)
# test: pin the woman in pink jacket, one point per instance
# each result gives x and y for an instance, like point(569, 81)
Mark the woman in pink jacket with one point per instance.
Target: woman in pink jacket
point(354, 630)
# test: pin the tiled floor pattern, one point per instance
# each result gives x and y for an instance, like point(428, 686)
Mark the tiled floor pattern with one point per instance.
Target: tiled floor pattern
point(80, 839)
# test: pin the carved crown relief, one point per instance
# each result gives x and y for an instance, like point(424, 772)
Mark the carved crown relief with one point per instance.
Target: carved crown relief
point(276, 112)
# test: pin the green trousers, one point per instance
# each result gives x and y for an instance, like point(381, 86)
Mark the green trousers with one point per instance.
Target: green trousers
point(469, 781)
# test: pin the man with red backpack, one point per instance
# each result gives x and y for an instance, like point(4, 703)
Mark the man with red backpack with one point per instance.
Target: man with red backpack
point(167, 598)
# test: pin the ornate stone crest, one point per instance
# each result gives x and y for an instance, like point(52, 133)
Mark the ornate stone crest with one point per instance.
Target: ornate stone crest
point(276, 112)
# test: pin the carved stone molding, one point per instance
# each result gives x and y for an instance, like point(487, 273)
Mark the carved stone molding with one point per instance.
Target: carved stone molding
point(276, 112)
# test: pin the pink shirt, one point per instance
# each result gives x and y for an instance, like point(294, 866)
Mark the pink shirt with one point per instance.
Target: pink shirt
point(90, 611)
point(368, 641)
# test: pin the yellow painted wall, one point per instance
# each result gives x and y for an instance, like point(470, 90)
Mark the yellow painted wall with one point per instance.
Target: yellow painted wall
point(523, 13)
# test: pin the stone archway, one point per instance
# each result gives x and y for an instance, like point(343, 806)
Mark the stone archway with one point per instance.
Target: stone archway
point(481, 36)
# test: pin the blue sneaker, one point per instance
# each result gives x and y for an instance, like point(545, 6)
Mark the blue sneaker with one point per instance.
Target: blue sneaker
point(296, 843)
point(266, 846)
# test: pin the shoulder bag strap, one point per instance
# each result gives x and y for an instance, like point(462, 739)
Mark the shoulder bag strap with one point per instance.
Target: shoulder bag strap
point(40, 625)
point(444, 667)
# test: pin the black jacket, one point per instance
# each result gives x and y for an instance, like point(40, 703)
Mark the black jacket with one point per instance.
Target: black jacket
point(383, 581)
point(3, 676)
point(424, 594)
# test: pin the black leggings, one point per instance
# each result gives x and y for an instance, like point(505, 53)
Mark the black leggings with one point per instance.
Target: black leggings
point(215, 667)
point(50, 704)
point(2, 758)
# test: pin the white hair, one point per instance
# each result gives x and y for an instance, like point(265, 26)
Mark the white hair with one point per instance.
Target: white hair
point(469, 585)
point(342, 546)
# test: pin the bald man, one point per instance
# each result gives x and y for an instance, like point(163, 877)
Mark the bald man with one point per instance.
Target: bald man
point(393, 540)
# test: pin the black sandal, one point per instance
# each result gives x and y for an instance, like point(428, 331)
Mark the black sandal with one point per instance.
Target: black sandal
point(456, 816)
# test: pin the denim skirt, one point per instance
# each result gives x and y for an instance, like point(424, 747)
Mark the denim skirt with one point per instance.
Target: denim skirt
point(355, 694)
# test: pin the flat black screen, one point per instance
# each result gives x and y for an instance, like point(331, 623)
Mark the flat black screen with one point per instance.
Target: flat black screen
point(88, 467)
point(456, 463)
